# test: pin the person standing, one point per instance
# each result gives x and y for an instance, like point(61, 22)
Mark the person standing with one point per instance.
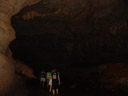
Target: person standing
point(48, 74)
point(50, 83)
point(55, 81)
point(42, 78)
point(49, 80)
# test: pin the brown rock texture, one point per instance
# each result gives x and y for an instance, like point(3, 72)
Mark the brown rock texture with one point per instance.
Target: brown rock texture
point(76, 10)
point(82, 18)
point(7, 9)
point(71, 29)
point(114, 74)
point(22, 69)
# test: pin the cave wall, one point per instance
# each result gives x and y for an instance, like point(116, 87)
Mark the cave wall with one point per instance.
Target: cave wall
point(69, 34)
point(78, 15)
point(7, 9)
point(73, 32)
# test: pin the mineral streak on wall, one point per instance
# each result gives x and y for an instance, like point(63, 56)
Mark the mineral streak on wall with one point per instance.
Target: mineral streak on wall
point(8, 8)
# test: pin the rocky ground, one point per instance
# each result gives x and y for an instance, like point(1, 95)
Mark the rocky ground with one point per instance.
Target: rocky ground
point(32, 88)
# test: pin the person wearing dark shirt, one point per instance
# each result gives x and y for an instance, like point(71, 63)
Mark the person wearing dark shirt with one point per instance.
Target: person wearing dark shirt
point(55, 81)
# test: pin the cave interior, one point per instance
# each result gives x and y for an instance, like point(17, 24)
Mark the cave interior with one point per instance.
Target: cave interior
point(85, 38)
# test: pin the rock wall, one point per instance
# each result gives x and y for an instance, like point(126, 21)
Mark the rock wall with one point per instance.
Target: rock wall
point(91, 10)
point(23, 70)
point(113, 75)
point(71, 29)
point(8, 8)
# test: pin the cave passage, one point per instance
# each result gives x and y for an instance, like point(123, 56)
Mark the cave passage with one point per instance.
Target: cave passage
point(77, 36)
point(44, 42)
point(88, 47)
point(40, 45)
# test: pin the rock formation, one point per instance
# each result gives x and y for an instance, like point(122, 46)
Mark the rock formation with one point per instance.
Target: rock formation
point(74, 28)
point(23, 70)
point(8, 8)
point(80, 24)
point(114, 75)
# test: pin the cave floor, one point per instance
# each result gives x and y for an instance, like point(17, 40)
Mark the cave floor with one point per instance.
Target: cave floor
point(37, 90)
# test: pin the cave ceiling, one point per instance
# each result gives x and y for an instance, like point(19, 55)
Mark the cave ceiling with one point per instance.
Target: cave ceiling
point(71, 29)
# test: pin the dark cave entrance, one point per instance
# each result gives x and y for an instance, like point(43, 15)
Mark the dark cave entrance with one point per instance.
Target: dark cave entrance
point(41, 42)
point(50, 40)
